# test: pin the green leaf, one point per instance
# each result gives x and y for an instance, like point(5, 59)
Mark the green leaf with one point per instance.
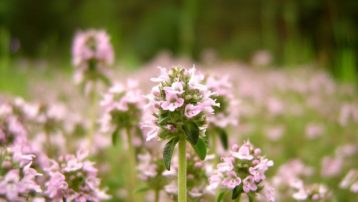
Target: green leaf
point(223, 137)
point(236, 192)
point(192, 132)
point(200, 148)
point(220, 196)
point(168, 152)
point(142, 189)
point(115, 135)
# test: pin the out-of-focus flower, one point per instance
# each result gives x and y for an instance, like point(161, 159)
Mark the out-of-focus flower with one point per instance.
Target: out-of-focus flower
point(350, 181)
point(314, 130)
point(122, 107)
point(18, 178)
point(262, 58)
point(73, 178)
point(275, 133)
point(313, 192)
point(227, 112)
point(92, 53)
point(331, 166)
point(243, 171)
point(289, 172)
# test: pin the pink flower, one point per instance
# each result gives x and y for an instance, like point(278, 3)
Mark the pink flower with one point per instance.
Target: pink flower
point(172, 102)
point(244, 152)
point(176, 88)
point(331, 166)
point(192, 110)
point(9, 185)
point(249, 184)
point(231, 181)
point(56, 185)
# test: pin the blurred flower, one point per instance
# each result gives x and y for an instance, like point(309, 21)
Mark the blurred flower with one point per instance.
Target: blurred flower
point(73, 178)
point(92, 53)
point(314, 130)
point(122, 107)
point(331, 166)
point(350, 181)
point(314, 192)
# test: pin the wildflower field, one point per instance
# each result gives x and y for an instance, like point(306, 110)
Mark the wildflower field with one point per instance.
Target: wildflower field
point(176, 130)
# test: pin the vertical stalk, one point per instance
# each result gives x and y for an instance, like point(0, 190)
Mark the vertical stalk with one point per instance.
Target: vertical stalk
point(212, 142)
point(132, 166)
point(92, 115)
point(157, 195)
point(251, 198)
point(182, 196)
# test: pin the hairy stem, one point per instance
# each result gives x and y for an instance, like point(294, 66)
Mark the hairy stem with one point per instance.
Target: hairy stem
point(132, 166)
point(182, 196)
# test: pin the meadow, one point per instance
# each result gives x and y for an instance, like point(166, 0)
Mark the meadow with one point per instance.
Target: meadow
point(213, 130)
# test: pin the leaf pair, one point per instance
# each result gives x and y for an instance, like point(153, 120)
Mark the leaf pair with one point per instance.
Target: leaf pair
point(236, 192)
point(191, 131)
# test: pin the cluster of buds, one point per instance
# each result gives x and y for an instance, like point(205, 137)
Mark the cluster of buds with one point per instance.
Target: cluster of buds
point(18, 178)
point(243, 171)
point(181, 104)
point(92, 54)
point(73, 178)
point(197, 173)
point(122, 106)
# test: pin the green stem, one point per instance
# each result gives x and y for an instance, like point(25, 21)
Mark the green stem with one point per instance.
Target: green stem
point(132, 166)
point(213, 142)
point(182, 171)
point(92, 115)
point(156, 196)
point(251, 198)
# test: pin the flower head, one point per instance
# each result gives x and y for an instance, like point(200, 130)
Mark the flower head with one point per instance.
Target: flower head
point(244, 170)
point(178, 99)
point(122, 106)
point(73, 178)
point(92, 53)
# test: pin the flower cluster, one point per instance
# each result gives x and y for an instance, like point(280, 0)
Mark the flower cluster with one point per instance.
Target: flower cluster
point(73, 178)
point(12, 130)
point(122, 107)
point(180, 100)
point(151, 169)
point(243, 171)
point(18, 178)
point(92, 53)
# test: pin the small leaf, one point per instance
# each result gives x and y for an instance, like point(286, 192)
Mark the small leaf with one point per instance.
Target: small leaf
point(223, 137)
point(192, 132)
point(142, 189)
point(236, 192)
point(220, 196)
point(168, 152)
point(115, 135)
point(200, 148)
